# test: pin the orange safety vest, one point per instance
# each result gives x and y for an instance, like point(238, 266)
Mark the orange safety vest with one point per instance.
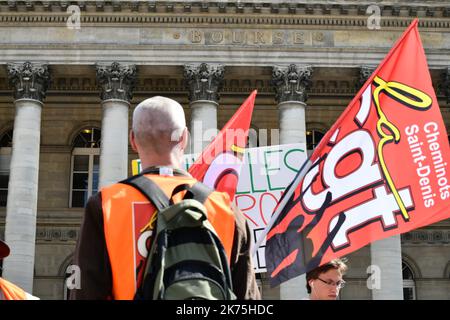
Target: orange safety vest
point(126, 216)
point(11, 291)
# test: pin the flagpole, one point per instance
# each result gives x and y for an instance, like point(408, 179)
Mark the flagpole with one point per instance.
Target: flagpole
point(300, 175)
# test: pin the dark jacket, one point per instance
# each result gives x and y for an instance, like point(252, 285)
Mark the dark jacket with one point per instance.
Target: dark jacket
point(91, 254)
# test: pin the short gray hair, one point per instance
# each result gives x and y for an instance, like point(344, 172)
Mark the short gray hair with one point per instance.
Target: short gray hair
point(158, 123)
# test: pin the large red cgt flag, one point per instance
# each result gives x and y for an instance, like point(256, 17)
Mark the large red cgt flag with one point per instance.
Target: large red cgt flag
point(220, 163)
point(381, 170)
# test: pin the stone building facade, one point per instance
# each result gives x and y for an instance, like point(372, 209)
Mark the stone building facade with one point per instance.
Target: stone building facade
point(72, 71)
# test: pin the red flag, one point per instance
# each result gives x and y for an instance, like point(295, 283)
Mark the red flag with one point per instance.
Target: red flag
point(381, 170)
point(220, 163)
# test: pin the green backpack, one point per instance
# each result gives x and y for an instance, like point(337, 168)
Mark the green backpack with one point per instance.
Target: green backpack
point(186, 259)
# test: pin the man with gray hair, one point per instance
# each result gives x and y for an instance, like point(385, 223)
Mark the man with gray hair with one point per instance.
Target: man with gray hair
point(159, 132)
point(115, 236)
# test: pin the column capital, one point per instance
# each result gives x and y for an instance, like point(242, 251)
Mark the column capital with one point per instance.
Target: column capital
point(29, 80)
point(204, 81)
point(364, 73)
point(117, 81)
point(291, 82)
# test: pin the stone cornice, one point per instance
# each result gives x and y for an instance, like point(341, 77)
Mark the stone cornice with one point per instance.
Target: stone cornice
point(432, 14)
point(442, 24)
point(396, 8)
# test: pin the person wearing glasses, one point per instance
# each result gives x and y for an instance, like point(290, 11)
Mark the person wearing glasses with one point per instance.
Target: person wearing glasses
point(325, 282)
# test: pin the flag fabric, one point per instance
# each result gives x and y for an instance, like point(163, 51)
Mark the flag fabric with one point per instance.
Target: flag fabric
point(220, 163)
point(380, 170)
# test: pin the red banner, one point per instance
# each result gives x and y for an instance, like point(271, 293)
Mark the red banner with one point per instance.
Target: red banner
point(220, 163)
point(381, 170)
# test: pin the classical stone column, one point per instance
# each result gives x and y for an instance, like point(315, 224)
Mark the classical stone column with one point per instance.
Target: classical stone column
point(30, 82)
point(290, 84)
point(204, 82)
point(117, 83)
point(386, 254)
point(386, 257)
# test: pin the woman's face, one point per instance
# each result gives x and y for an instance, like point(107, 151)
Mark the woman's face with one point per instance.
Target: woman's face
point(327, 286)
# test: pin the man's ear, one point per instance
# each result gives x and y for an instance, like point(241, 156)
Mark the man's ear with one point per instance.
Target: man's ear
point(133, 141)
point(184, 139)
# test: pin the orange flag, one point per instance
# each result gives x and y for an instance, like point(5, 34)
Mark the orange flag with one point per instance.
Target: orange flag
point(220, 163)
point(381, 170)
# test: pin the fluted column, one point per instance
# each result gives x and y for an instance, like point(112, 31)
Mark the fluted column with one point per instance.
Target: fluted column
point(290, 84)
point(386, 254)
point(30, 82)
point(117, 83)
point(204, 82)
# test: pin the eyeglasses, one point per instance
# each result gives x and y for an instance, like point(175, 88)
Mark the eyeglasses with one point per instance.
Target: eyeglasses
point(339, 285)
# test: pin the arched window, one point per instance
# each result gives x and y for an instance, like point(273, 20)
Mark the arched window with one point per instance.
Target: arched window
point(409, 285)
point(313, 138)
point(5, 161)
point(84, 166)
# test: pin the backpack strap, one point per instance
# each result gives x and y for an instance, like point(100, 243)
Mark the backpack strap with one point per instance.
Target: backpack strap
point(150, 189)
point(199, 191)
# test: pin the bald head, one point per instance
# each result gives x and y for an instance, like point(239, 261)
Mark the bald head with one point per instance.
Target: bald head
point(158, 124)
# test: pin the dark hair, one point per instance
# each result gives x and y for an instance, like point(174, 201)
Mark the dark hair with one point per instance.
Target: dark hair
point(338, 264)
